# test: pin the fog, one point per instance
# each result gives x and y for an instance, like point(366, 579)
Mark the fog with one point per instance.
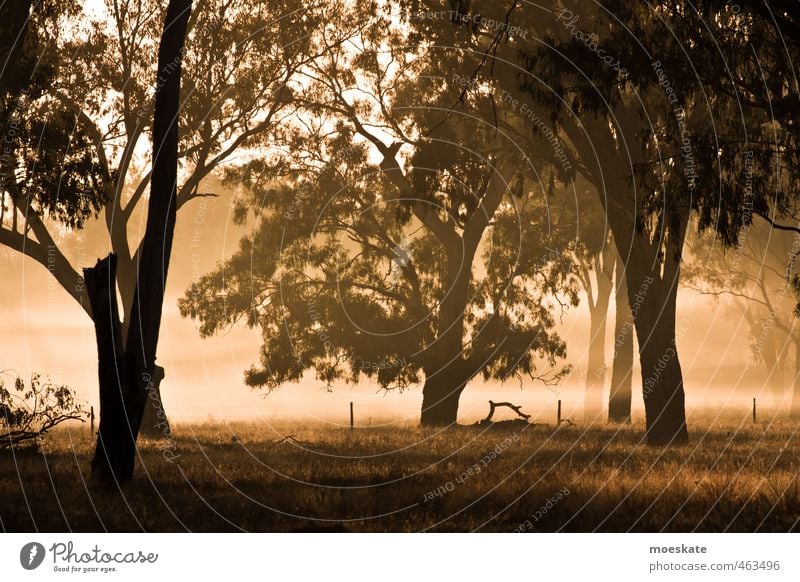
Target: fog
point(45, 331)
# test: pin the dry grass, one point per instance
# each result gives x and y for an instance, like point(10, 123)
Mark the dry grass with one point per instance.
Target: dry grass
point(734, 476)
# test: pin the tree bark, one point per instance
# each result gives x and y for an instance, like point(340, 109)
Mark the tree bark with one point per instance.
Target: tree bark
point(619, 398)
point(596, 368)
point(155, 424)
point(116, 439)
point(445, 376)
point(440, 396)
point(662, 379)
point(135, 368)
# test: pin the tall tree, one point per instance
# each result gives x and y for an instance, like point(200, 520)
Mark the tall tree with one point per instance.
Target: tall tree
point(624, 133)
point(126, 370)
point(415, 238)
point(749, 51)
point(99, 103)
point(595, 266)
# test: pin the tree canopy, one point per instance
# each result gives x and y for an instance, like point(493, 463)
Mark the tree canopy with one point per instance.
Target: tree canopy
point(411, 237)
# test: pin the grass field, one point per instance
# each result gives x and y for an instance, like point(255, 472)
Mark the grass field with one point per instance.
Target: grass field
point(734, 476)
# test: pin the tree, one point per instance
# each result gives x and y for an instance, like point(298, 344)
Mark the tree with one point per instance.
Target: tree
point(47, 164)
point(751, 48)
point(595, 260)
point(95, 114)
point(619, 398)
point(126, 369)
point(624, 134)
point(412, 238)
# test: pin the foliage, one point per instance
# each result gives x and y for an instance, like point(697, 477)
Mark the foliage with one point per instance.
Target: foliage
point(28, 412)
point(402, 233)
point(48, 164)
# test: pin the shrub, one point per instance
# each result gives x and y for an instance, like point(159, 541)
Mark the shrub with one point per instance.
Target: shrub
point(27, 412)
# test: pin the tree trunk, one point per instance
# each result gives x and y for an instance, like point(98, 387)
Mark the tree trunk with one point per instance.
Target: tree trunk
point(133, 372)
point(772, 354)
point(116, 439)
point(596, 367)
point(440, 396)
point(619, 398)
point(651, 246)
point(445, 372)
point(662, 379)
point(155, 424)
point(156, 247)
point(795, 411)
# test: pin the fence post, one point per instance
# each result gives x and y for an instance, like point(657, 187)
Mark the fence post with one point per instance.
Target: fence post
point(754, 410)
point(91, 418)
point(352, 424)
point(558, 423)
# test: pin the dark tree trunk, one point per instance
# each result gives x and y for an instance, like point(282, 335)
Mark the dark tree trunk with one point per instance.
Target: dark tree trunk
point(651, 245)
point(155, 424)
point(134, 370)
point(445, 367)
point(662, 379)
point(116, 439)
point(619, 399)
point(151, 276)
point(440, 396)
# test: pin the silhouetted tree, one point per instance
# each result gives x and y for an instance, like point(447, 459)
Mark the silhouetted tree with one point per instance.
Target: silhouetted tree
point(414, 237)
point(126, 369)
point(623, 133)
point(47, 166)
point(749, 51)
point(95, 113)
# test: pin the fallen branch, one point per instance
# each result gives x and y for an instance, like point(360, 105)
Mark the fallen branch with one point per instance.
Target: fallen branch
point(495, 405)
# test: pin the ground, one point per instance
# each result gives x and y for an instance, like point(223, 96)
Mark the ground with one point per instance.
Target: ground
point(733, 476)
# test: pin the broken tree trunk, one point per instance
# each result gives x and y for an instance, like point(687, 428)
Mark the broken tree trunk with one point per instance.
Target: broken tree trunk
point(155, 424)
point(116, 440)
point(131, 373)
